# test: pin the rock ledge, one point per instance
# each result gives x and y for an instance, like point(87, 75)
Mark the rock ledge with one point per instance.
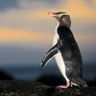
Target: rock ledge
point(29, 88)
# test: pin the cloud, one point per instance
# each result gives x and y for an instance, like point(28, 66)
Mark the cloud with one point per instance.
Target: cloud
point(25, 47)
point(8, 4)
point(79, 9)
point(44, 2)
point(90, 3)
point(31, 19)
point(29, 9)
point(27, 20)
point(53, 2)
point(76, 8)
point(37, 21)
point(20, 36)
point(86, 39)
point(16, 55)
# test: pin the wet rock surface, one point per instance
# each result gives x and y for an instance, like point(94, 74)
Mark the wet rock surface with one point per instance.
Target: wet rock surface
point(29, 88)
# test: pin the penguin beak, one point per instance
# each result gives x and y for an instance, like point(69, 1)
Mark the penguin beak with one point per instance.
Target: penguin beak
point(52, 14)
point(57, 15)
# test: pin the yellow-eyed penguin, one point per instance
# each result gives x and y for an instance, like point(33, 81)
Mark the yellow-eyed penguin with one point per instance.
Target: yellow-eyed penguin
point(66, 52)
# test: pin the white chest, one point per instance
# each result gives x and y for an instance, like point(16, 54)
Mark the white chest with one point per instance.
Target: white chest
point(59, 58)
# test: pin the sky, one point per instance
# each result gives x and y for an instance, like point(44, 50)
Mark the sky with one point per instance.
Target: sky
point(26, 30)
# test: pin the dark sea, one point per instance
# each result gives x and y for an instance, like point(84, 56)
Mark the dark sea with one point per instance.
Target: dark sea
point(34, 71)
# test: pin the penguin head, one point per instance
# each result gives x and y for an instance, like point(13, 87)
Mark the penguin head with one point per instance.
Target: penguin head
point(62, 17)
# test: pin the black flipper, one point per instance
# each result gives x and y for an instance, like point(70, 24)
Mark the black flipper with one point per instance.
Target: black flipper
point(49, 55)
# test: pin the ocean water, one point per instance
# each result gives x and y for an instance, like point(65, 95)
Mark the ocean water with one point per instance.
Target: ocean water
point(30, 72)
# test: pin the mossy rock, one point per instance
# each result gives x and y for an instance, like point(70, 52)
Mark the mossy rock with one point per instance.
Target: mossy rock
point(26, 88)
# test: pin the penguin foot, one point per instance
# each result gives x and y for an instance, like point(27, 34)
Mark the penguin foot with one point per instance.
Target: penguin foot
point(65, 86)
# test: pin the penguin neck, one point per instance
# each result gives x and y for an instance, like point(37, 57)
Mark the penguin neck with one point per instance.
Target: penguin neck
point(56, 37)
point(64, 25)
point(56, 27)
point(59, 26)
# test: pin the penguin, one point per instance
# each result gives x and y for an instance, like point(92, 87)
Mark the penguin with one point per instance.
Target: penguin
point(66, 52)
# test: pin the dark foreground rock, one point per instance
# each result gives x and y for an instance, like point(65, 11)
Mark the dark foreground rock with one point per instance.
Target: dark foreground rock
point(25, 88)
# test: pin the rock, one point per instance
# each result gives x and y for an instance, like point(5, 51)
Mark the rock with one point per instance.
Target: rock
point(51, 79)
point(5, 76)
point(29, 88)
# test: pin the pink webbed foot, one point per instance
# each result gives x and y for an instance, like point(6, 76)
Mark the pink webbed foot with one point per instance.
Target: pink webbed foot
point(65, 86)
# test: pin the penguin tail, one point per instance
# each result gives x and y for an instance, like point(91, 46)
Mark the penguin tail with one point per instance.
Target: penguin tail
point(83, 83)
point(80, 83)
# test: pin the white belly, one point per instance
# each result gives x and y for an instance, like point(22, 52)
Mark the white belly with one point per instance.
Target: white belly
point(59, 59)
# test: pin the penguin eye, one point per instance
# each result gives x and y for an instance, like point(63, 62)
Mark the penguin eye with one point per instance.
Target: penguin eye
point(63, 16)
